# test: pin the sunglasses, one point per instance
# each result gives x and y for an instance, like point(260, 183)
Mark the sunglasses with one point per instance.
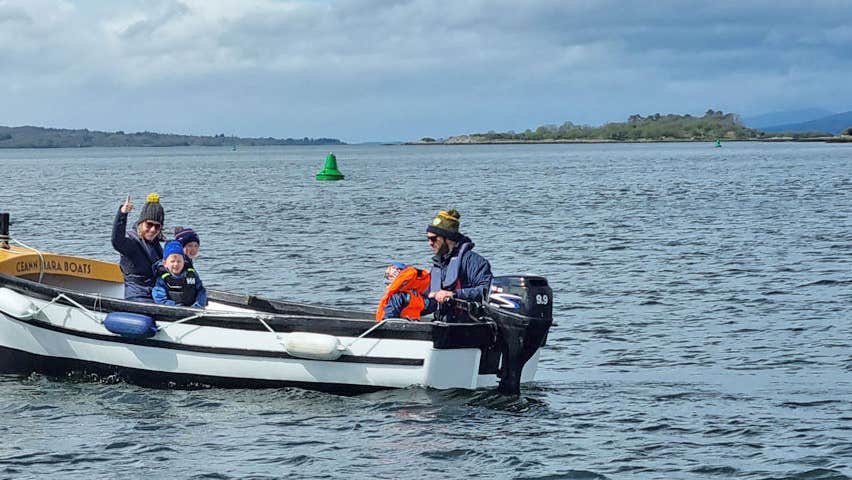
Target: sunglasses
point(431, 238)
point(152, 225)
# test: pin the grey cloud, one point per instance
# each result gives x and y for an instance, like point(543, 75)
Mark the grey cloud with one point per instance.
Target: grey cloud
point(380, 70)
point(10, 14)
point(146, 29)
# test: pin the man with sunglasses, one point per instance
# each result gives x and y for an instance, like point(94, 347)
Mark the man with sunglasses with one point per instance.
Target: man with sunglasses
point(457, 271)
point(139, 247)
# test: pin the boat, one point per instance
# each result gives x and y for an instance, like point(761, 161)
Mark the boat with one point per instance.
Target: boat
point(62, 315)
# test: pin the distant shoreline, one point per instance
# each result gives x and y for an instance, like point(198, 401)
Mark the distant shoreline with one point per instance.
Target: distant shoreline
point(836, 139)
point(41, 137)
point(713, 126)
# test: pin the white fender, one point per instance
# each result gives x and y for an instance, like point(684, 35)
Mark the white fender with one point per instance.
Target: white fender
point(314, 346)
point(16, 305)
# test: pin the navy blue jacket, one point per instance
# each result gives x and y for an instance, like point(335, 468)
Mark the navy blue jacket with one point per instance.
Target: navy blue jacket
point(471, 282)
point(137, 259)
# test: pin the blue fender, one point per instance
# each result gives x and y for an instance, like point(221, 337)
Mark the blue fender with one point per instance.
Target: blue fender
point(133, 325)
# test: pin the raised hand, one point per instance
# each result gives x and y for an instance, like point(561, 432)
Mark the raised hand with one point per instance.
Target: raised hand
point(127, 206)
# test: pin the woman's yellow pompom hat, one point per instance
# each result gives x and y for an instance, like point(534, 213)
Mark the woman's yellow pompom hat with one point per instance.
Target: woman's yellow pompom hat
point(152, 211)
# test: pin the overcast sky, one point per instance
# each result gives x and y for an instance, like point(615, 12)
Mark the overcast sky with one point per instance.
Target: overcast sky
point(381, 70)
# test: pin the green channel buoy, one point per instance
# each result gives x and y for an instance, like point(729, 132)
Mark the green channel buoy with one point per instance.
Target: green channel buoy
point(718, 143)
point(330, 171)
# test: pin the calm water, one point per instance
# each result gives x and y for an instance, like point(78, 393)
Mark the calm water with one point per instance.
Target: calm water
point(703, 301)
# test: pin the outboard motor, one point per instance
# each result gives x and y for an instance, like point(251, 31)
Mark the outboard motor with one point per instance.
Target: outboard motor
point(522, 308)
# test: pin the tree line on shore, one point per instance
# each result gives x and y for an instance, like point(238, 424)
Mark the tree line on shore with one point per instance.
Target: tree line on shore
point(711, 126)
point(39, 137)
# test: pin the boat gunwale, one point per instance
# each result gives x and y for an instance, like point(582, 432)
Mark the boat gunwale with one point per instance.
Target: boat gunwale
point(265, 305)
point(443, 335)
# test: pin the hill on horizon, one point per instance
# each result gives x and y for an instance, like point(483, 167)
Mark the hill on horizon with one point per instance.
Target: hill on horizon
point(41, 137)
point(834, 124)
point(785, 117)
point(711, 126)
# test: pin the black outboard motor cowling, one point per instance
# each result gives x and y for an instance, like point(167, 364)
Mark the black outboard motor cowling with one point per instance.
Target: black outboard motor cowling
point(524, 294)
point(522, 308)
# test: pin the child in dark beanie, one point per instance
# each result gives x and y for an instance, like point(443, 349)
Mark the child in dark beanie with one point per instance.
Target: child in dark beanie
point(189, 241)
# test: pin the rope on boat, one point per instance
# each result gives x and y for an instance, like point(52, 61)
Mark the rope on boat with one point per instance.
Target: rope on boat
point(262, 322)
point(340, 346)
point(273, 332)
point(62, 296)
point(216, 314)
point(370, 330)
point(182, 320)
point(260, 318)
point(40, 256)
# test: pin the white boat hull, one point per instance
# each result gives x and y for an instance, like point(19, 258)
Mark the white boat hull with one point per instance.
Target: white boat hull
point(65, 338)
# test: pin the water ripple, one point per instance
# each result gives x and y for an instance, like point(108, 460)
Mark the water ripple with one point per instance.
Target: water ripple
point(702, 300)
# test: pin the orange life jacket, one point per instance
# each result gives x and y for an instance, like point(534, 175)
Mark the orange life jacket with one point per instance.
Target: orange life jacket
point(415, 283)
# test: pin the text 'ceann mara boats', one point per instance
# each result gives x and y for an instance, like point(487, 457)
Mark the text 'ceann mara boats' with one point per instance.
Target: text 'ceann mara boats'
point(61, 314)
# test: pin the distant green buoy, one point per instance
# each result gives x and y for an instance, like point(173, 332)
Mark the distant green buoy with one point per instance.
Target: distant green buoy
point(330, 171)
point(718, 143)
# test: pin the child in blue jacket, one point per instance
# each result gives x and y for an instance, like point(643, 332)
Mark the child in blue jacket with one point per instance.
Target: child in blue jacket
point(178, 283)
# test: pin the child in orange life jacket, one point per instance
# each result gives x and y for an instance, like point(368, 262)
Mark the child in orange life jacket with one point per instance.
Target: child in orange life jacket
point(177, 283)
point(405, 296)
